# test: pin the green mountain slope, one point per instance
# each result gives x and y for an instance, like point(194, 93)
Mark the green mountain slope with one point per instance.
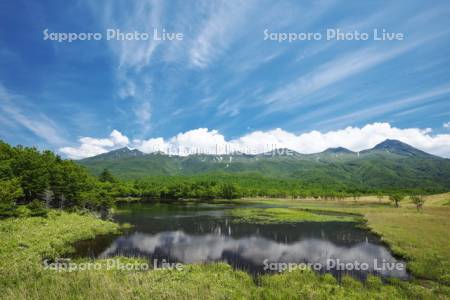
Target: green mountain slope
point(389, 164)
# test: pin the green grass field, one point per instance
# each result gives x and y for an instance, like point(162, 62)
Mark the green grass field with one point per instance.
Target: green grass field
point(421, 237)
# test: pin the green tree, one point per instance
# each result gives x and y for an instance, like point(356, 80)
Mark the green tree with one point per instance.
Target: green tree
point(418, 201)
point(229, 191)
point(33, 170)
point(6, 157)
point(106, 176)
point(380, 196)
point(10, 191)
point(104, 198)
point(396, 198)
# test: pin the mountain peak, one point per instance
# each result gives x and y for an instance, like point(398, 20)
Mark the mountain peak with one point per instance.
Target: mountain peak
point(124, 152)
point(398, 147)
point(390, 143)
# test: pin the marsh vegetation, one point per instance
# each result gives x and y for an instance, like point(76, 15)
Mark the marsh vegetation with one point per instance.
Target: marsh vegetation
point(419, 237)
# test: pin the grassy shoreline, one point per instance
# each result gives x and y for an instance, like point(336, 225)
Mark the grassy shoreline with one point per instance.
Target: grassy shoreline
point(25, 241)
point(285, 215)
point(421, 237)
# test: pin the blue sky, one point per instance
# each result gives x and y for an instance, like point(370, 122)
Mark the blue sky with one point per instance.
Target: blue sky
point(223, 76)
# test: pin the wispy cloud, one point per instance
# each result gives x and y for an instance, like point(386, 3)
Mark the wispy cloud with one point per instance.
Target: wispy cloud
point(391, 106)
point(342, 67)
point(332, 72)
point(31, 119)
point(143, 113)
point(127, 16)
point(219, 30)
point(133, 57)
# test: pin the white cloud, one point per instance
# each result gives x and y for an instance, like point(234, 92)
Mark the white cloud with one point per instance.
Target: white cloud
point(353, 138)
point(446, 125)
point(83, 151)
point(203, 140)
point(92, 146)
point(143, 114)
point(119, 139)
point(19, 111)
point(380, 109)
point(332, 72)
point(132, 57)
point(151, 145)
point(218, 31)
point(200, 138)
point(128, 89)
point(342, 68)
point(142, 16)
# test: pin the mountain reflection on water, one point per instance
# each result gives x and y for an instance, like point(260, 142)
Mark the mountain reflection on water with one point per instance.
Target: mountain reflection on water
point(199, 235)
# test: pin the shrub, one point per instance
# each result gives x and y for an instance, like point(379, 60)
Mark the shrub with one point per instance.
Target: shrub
point(37, 209)
point(418, 201)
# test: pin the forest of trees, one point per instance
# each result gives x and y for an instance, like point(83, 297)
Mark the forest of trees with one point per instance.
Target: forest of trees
point(230, 186)
point(238, 185)
point(32, 181)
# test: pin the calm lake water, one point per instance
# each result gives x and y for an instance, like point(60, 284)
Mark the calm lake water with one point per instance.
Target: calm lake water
point(204, 233)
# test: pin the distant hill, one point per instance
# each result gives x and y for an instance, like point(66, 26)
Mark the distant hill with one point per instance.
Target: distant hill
point(389, 164)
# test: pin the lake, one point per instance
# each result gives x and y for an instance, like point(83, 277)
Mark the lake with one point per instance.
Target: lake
point(202, 233)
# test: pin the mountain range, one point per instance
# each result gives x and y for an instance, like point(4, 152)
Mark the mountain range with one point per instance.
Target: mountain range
point(389, 164)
